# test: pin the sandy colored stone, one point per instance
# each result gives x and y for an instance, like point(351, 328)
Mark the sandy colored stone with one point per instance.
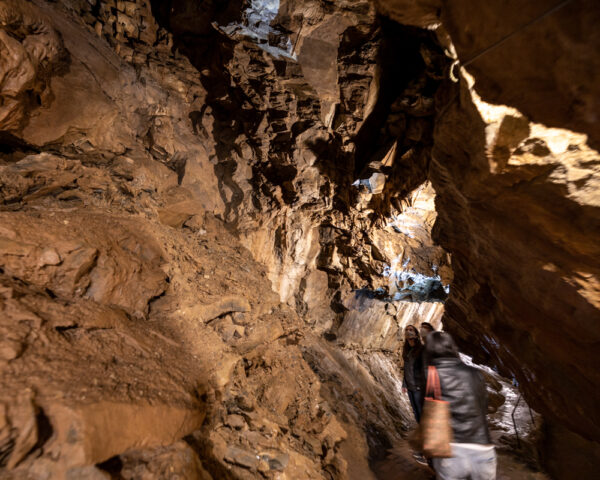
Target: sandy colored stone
point(89, 434)
point(206, 313)
point(187, 217)
point(241, 457)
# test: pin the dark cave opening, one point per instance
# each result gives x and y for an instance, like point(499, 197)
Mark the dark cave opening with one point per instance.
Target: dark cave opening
point(400, 63)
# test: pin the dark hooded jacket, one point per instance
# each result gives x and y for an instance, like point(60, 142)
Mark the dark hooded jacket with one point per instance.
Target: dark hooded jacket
point(464, 388)
point(413, 370)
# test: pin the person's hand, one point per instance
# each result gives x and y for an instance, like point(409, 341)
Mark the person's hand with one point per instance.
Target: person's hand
point(404, 390)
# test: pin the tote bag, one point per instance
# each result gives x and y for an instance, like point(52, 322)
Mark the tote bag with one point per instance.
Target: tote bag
point(435, 427)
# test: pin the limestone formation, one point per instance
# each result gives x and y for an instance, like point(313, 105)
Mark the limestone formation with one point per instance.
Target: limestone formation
point(218, 218)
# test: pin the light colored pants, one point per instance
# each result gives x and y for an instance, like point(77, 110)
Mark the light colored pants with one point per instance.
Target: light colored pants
point(467, 463)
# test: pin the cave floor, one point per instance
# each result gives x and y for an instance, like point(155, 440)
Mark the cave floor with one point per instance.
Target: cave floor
point(399, 465)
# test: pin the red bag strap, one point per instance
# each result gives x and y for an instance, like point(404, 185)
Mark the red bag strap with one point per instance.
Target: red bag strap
point(433, 383)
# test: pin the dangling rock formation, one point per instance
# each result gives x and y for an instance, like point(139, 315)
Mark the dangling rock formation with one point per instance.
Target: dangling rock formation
point(217, 218)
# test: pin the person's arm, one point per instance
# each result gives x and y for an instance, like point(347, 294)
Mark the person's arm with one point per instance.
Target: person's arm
point(483, 395)
point(404, 389)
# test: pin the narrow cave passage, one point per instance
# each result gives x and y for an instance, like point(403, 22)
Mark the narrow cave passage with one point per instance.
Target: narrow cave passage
point(412, 289)
point(219, 219)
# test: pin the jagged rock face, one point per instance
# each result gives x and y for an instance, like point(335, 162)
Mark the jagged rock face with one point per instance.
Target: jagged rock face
point(547, 70)
point(292, 136)
point(530, 232)
point(524, 257)
point(32, 53)
point(518, 201)
point(146, 143)
point(124, 299)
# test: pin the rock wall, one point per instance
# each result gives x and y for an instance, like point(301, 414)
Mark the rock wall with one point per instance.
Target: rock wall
point(528, 212)
point(292, 136)
point(160, 158)
point(124, 293)
point(124, 299)
point(515, 170)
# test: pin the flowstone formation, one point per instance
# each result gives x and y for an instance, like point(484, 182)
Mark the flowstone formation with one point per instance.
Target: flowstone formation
point(217, 218)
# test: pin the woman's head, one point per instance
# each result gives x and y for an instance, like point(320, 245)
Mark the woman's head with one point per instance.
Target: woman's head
point(440, 345)
point(411, 340)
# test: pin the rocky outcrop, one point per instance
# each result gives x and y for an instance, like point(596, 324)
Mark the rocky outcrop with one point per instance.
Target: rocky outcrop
point(517, 199)
point(125, 299)
point(546, 66)
point(33, 53)
point(223, 214)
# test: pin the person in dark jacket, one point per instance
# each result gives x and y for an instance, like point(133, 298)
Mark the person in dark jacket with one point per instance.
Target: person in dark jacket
point(412, 354)
point(474, 456)
point(425, 329)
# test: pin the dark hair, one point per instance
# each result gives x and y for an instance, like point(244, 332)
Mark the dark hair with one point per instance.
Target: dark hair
point(439, 345)
point(428, 325)
point(406, 349)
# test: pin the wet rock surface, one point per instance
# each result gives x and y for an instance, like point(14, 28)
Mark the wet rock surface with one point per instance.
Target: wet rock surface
point(217, 219)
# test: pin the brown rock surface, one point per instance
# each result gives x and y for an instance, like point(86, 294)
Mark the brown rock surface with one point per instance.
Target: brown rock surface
point(525, 256)
point(217, 219)
point(548, 65)
point(517, 200)
point(423, 13)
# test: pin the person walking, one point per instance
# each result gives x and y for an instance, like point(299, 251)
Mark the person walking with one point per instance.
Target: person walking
point(474, 455)
point(425, 329)
point(412, 354)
